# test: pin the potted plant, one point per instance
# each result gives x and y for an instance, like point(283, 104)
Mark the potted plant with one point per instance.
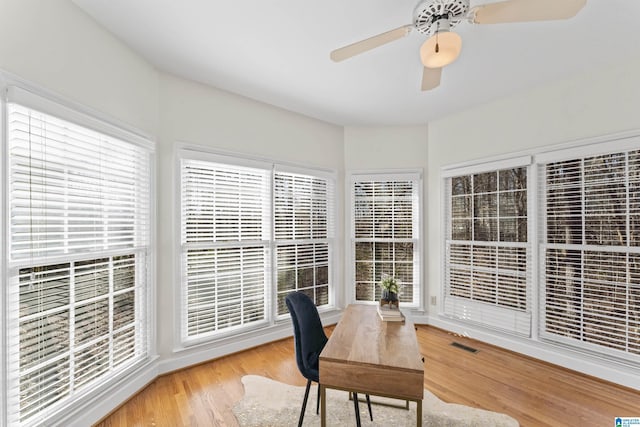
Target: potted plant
point(390, 288)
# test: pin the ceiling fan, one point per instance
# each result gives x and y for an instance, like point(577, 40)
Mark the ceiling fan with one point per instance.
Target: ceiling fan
point(436, 18)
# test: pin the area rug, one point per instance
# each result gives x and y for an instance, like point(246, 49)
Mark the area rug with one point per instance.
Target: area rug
point(271, 403)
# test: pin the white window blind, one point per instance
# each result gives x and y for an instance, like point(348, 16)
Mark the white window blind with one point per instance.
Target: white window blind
point(385, 233)
point(78, 250)
point(225, 245)
point(234, 213)
point(303, 206)
point(487, 266)
point(590, 252)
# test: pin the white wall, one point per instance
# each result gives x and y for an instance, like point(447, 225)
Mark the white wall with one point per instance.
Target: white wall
point(54, 45)
point(597, 103)
point(386, 148)
point(194, 114)
point(58, 47)
point(68, 54)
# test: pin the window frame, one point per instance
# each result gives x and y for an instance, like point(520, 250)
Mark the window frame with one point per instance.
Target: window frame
point(537, 207)
point(329, 239)
point(488, 315)
point(183, 247)
point(608, 146)
point(35, 98)
point(184, 150)
point(414, 175)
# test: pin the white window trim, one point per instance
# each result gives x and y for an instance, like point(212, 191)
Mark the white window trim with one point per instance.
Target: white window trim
point(330, 240)
point(186, 150)
point(485, 315)
point(21, 91)
point(485, 166)
point(604, 145)
point(624, 144)
point(4, 238)
point(349, 268)
point(43, 101)
point(585, 147)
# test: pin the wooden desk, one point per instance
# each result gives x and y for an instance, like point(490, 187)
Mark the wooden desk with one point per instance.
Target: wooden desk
point(369, 356)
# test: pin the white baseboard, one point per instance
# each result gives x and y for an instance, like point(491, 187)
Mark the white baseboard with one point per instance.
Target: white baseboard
point(93, 409)
point(90, 410)
point(608, 370)
point(419, 319)
point(205, 352)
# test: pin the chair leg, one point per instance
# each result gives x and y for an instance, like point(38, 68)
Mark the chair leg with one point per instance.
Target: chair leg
point(304, 403)
point(318, 404)
point(369, 405)
point(355, 404)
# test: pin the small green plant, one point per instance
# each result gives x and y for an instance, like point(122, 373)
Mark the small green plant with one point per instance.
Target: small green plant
point(389, 284)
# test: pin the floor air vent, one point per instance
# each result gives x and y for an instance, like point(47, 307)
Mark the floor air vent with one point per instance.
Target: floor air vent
point(464, 347)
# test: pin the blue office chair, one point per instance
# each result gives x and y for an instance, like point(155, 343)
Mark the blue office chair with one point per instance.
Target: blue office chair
point(309, 340)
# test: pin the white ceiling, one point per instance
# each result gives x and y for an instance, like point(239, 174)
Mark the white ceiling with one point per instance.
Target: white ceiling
point(277, 52)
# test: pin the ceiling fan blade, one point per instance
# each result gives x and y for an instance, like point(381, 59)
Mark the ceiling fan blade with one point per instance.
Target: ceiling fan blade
point(527, 10)
point(370, 43)
point(431, 78)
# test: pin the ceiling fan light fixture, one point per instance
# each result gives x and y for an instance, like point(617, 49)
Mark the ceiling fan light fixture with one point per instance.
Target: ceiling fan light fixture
point(441, 49)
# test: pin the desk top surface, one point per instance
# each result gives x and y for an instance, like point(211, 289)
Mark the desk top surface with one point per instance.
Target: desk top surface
point(362, 338)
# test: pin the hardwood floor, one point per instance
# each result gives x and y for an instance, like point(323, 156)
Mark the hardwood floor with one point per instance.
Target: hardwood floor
point(533, 392)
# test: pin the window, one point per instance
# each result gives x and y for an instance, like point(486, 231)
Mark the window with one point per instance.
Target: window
point(247, 225)
point(225, 241)
point(590, 251)
point(303, 233)
point(385, 234)
point(78, 249)
point(487, 277)
point(588, 255)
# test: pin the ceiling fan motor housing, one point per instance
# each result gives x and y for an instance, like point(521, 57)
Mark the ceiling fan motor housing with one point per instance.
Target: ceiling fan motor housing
point(429, 15)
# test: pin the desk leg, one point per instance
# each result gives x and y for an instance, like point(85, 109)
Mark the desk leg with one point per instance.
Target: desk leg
point(419, 413)
point(323, 406)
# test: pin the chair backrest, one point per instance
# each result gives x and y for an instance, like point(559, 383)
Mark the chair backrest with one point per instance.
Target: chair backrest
point(308, 334)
